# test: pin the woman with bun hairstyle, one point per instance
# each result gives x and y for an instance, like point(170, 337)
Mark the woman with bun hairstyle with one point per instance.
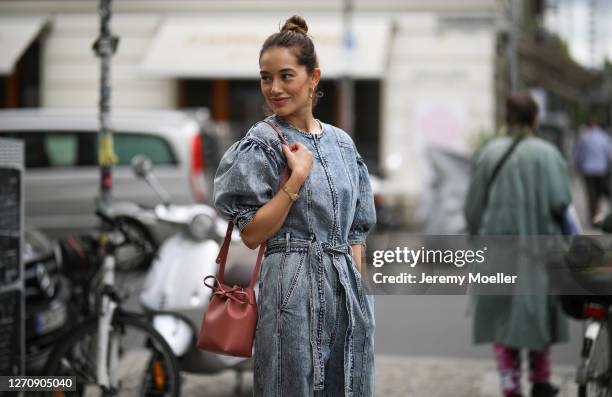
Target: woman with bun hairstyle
point(315, 331)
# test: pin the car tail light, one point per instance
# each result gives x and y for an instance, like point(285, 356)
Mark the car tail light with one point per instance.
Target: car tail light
point(196, 172)
point(595, 311)
point(378, 200)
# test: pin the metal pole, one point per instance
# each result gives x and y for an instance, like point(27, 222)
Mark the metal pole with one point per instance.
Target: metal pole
point(104, 47)
point(347, 85)
point(513, 11)
point(592, 24)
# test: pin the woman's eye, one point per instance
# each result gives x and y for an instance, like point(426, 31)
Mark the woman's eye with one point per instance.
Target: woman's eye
point(286, 76)
point(265, 78)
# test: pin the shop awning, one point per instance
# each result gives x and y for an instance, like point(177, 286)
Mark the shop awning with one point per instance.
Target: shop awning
point(16, 33)
point(227, 46)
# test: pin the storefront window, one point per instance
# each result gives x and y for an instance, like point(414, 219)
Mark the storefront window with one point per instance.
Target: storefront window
point(241, 104)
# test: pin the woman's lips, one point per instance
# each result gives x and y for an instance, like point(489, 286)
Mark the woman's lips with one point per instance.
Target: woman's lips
point(278, 102)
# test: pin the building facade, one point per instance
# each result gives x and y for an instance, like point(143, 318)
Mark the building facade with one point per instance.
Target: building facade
point(424, 72)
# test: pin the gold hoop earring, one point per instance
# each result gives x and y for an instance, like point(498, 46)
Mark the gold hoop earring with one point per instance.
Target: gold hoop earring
point(310, 91)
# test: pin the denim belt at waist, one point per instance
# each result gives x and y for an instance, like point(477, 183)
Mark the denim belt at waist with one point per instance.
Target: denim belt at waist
point(291, 244)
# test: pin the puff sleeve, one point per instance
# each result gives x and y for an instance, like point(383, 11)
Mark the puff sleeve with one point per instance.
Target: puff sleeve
point(247, 178)
point(365, 212)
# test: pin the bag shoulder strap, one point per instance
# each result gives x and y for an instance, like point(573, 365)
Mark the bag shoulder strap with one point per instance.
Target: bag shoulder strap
point(277, 130)
point(222, 257)
point(285, 174)
point(498, 168)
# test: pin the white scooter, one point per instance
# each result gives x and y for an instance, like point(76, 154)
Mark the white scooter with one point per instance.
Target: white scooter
point(174, 293)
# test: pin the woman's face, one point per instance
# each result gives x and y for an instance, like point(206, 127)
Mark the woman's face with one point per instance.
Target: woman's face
point(284, 83)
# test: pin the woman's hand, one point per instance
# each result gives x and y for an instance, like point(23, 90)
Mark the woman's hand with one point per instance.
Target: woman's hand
point(271, 216)
point(299, 160)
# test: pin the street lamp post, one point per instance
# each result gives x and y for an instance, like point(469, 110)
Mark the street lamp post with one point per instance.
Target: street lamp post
point(347, 86)
point(104, 47)
point(513, 15)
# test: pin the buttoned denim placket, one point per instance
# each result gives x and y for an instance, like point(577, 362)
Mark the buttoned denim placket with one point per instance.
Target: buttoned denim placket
point(349, 365)
point(317, 313)
point(332, 188)
point(316, 274)
point(316, 250)
point(320, 273)
point(317, 295)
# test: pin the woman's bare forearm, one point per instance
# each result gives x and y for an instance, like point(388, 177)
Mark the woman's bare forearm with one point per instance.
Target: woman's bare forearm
point(271, 216)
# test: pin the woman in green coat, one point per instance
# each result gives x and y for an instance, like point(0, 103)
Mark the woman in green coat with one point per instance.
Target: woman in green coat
point(530, 192)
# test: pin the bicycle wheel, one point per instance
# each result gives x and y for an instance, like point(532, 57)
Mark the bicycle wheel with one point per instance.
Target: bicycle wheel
point(598, 377)
point(146, 364)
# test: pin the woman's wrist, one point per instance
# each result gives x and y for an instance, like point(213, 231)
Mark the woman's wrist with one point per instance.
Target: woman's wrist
point(291, 188)
point(296, 180)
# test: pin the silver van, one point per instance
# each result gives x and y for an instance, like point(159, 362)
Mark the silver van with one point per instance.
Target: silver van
point(62, 175)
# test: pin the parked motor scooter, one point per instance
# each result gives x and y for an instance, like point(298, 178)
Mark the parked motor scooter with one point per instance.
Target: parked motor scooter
point(174, 293)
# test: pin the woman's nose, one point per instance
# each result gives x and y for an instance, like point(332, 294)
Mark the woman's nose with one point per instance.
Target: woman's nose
point(275, 87)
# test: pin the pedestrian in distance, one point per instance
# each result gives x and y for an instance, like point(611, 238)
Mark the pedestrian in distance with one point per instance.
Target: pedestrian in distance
point(315, 331)
point(527, 198)
point(592, 160)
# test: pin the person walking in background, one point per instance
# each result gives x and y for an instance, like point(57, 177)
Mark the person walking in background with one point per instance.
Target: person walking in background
point(528, 195)
point(592, 159)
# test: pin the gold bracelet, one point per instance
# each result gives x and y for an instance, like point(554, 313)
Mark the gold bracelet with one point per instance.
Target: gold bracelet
point(292, 196)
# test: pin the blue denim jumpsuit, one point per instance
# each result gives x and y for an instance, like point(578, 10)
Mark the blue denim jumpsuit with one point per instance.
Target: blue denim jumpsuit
point(315, 333)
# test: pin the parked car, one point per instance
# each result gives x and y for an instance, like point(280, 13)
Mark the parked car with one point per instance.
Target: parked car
point(47, 296)
point(62, 175)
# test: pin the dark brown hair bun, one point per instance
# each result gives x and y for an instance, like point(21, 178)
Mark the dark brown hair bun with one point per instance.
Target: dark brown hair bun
point(295, 24)
point(294, 35)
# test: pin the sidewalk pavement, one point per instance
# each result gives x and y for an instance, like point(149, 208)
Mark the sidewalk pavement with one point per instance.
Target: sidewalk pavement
point(404, 376)
point(411, 376)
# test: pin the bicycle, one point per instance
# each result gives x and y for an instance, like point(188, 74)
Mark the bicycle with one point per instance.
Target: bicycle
point(588, 259)
point(594, 374)
point(113, 351)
